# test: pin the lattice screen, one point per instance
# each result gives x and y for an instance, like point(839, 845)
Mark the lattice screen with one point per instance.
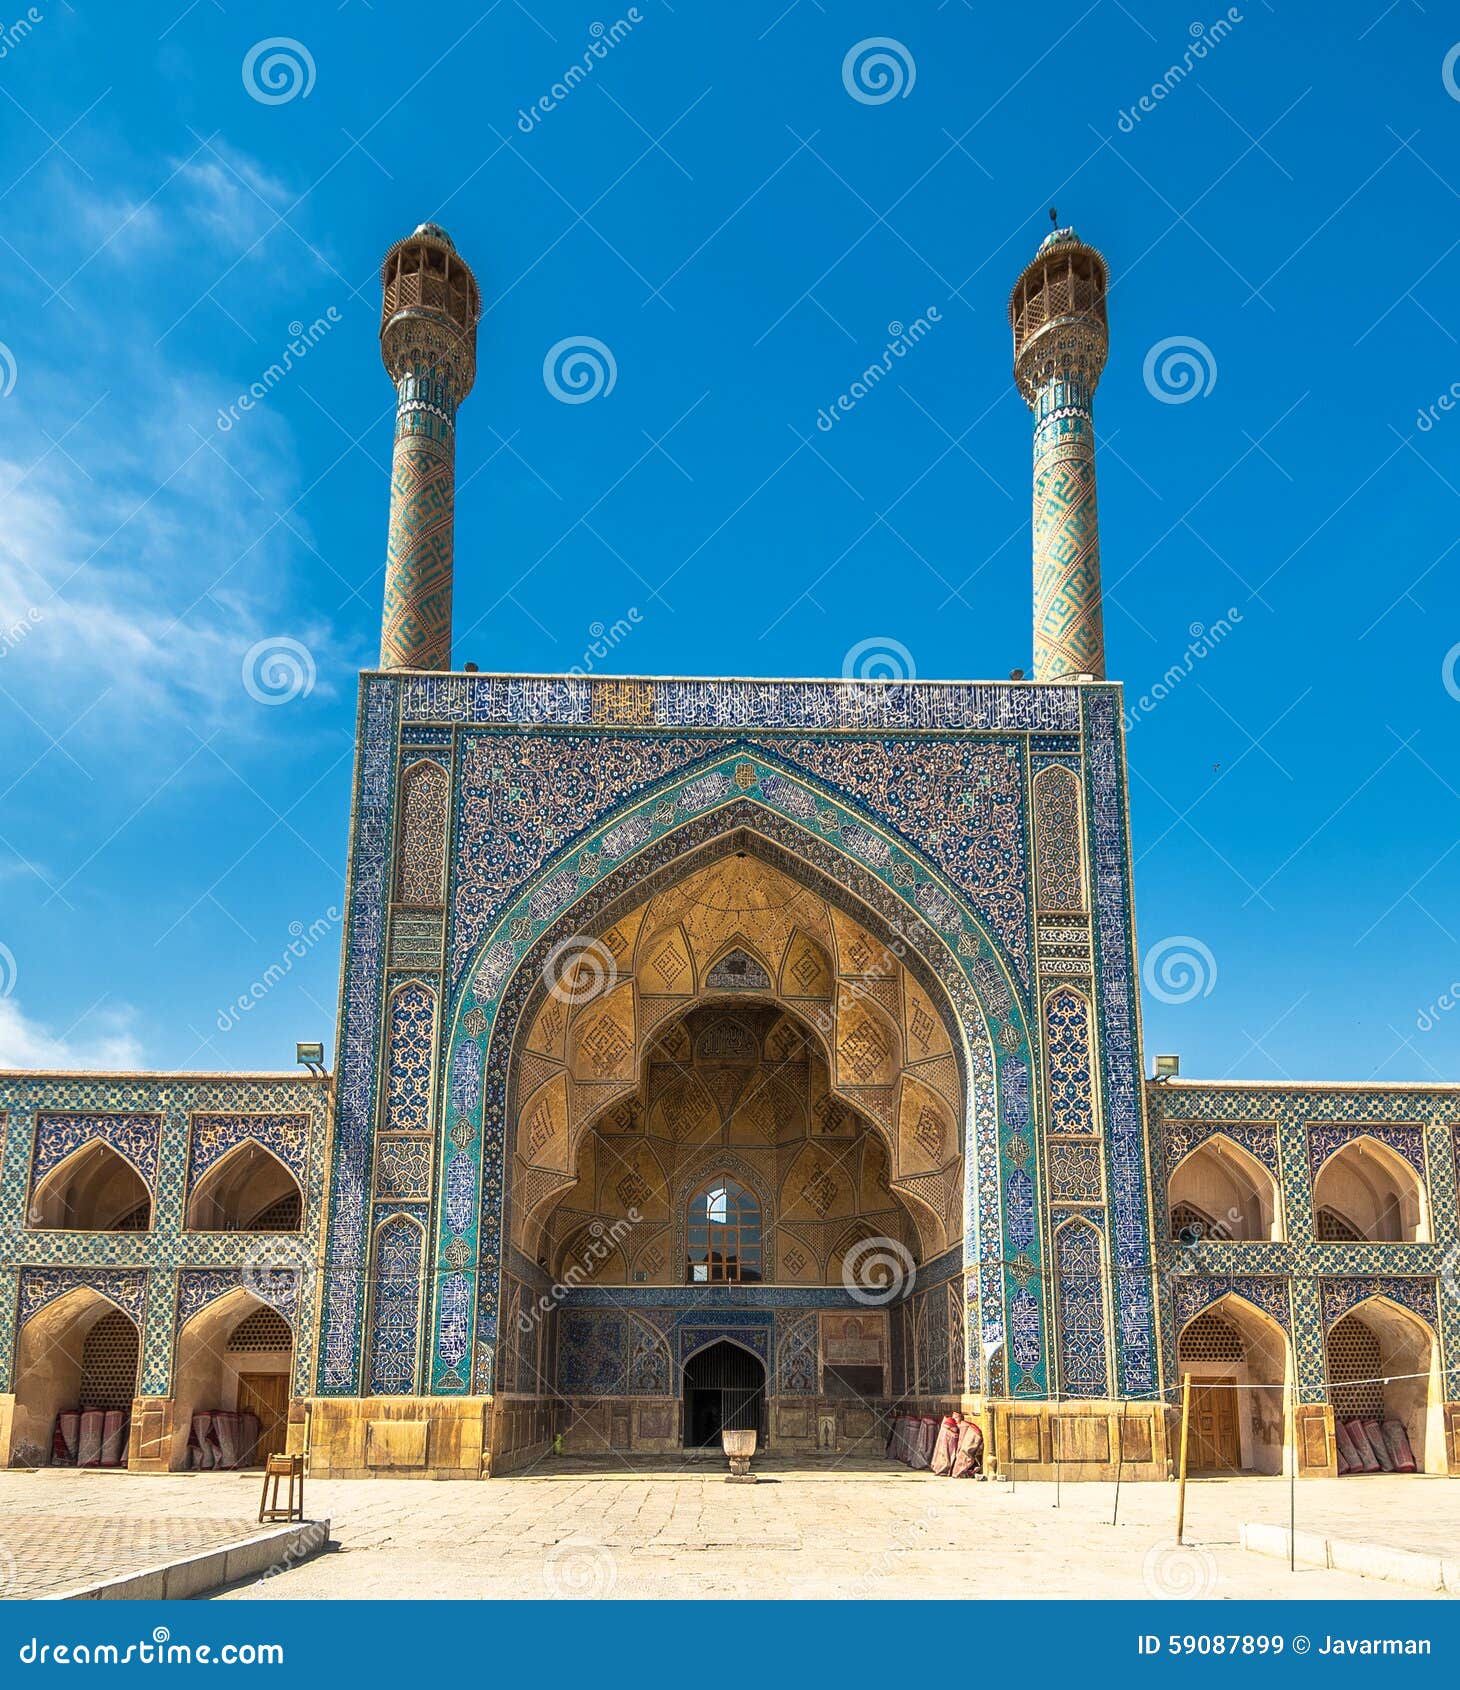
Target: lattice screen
point(1210, 1338)
point(1353, 1353)
point(264, 1329)
point(1187, 1214)
point(109, 1363)
point(1334, 1228)
point(282, 1215)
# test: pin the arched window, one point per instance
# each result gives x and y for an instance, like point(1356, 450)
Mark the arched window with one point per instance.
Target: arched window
point(94, 1190)
point(1225, 1192)
point(723, 1235)
point(1367, 1192)
point(248, 1190)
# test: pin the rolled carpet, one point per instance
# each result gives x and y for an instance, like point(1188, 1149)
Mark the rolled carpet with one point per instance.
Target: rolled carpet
point(946, 1447)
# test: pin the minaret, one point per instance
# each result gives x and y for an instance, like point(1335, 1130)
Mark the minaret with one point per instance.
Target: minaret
point(428, 340)
point(1057, 312)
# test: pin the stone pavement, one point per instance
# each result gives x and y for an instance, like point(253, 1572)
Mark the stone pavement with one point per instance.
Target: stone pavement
point(848, 1530)
point(52, 1545)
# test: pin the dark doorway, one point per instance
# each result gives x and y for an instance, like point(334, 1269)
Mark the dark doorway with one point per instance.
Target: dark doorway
point(724, 1390)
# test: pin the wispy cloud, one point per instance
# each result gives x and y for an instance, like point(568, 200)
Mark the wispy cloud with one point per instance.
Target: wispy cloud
point(102, 1039)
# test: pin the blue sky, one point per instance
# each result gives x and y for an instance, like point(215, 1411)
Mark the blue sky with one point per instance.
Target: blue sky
point(716, 208)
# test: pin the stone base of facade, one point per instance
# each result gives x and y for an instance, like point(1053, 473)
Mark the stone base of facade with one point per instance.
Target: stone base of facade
point(150, 1437)
point(477, 1437)
point(393, 1437)
point(1075, 1440)
point(655, 1426)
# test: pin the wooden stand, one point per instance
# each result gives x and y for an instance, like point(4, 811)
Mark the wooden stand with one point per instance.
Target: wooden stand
point(276, 1467)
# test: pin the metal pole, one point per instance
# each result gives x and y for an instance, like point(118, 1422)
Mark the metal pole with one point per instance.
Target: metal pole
point(1293, 1470)
point(1055, 1434)
point(1119, 1461)
point(1181, 1481)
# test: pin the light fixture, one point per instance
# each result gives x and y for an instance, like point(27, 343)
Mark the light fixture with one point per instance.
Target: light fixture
point(310, 1056)
point(1168, 1067)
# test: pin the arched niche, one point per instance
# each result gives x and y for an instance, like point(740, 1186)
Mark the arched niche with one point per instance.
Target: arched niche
point(1383, 1364)
point(697, 997)
point(725, 1096)
point(506, 1034)
point(78, 1351)
point(95, 1189)
point(237, 1355)
point(1241, 1366)
point(248, 1190)
point(1372, 1194)
point(1225, 1192)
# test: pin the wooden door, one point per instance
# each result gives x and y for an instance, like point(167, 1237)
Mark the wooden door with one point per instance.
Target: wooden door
point(266, 1395)
point(1215, 1445)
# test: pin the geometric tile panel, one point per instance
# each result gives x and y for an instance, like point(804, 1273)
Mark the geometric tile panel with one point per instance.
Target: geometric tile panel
point(213, 1136)
point(133, 1136)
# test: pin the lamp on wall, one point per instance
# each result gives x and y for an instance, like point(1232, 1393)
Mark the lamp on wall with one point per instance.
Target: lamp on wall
point(311, 1056)
point(1168, 1067)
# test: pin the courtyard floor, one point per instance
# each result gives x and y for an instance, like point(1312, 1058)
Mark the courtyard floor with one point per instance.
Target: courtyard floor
point(861, 1531)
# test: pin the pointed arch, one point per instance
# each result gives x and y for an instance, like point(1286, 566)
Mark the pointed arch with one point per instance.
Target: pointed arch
point(1059, 871)
point(410, 1044)
point(1079, 1257)
point(95, 1188)
point(81, 1349)
point(1069, 1048)
point(724, 1233)
point(738, 967)
point(1375, 1192)
point(1241, 1363)
point(711, 1339)
point(652, 841)
point(209, 1370)
point(421, 837)
point(1382, 1363)
point(1232, 1193)
point(397, 1257)
point(248, 1189)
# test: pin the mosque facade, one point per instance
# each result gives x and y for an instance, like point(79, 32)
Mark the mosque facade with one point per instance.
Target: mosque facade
point(697, 1032)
